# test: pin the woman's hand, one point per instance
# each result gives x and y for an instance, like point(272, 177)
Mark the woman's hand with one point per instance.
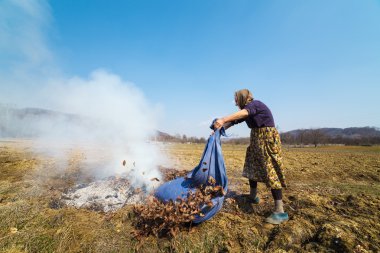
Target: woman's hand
point(219, 123)
point(242, 114)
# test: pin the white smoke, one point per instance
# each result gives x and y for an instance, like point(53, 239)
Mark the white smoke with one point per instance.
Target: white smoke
point(107, 118)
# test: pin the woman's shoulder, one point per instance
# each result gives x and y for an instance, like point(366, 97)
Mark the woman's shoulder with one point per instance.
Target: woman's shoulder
point(256, 106)
point(255, 103)
point(259, 103)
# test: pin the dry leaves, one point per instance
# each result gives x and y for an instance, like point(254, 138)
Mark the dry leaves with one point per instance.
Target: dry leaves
point(159, 219)
point(211, 180)
point(170, 174)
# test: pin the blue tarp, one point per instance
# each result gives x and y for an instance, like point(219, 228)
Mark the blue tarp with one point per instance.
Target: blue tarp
point(211, 164)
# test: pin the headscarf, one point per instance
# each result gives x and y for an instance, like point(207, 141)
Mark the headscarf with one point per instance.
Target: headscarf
point(243, 97)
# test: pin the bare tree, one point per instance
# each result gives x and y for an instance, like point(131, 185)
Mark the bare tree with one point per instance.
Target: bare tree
point(301, 137)
point(287, 138)
point(316, 136)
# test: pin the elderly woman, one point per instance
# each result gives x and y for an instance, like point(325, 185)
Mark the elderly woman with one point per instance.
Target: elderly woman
point(263, 161)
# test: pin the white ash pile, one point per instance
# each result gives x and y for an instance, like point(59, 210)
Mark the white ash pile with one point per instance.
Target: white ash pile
point(104, 195)
point(111, 193)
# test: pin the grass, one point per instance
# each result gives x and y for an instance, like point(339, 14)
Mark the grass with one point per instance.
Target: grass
point(333, 202)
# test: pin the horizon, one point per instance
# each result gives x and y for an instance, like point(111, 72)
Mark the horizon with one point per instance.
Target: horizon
point(180, 135)
point(315, 64)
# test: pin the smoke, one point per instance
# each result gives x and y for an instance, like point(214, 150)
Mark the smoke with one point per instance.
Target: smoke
point(108, 119)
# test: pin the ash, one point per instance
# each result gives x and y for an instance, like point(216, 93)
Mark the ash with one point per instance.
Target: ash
point(104, 195)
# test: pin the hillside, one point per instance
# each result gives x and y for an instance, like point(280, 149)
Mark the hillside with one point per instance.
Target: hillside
point(33, 122)
point(351, 132)
point(30, 122)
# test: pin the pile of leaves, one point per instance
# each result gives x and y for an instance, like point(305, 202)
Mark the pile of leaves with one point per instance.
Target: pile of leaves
point(170, 173)
point(166, 219)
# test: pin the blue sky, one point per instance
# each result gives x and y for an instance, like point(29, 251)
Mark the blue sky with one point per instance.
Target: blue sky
point(314, 63)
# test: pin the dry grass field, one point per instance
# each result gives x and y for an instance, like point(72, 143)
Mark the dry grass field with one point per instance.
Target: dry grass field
point(333, 200)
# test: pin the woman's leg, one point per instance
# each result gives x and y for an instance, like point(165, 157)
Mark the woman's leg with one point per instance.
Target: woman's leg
point(278, 216)
point(253, 191)
point(277, 196)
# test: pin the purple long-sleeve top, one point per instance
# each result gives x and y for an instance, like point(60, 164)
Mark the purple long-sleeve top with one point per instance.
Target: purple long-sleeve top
point(259, 115)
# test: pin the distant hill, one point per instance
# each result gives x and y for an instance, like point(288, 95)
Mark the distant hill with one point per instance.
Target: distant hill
point(27, 122)
point(31, 122)
point(36, 122)
point(165, 137)
point(351, 132)
point(347, 136)
point(22, 113)
point(161, 136)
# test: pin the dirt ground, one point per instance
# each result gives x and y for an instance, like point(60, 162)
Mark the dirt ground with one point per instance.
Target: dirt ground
point(333, 201)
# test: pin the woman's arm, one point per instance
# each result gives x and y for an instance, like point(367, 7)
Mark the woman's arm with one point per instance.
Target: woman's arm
point(242, 114)
point(227, 125)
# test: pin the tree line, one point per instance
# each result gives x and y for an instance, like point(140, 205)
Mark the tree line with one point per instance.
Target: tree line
point(163, 137)
point(302, 137)
point(318, 137)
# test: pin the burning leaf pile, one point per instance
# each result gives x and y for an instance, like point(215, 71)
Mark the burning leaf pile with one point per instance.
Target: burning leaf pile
point(104, 195)
point(162, 219)
point(111, 193)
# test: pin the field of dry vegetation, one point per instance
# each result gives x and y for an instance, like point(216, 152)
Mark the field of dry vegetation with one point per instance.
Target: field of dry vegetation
point(333, 201)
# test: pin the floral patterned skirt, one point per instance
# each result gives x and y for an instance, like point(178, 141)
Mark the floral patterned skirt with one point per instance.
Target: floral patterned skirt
point(263, 160)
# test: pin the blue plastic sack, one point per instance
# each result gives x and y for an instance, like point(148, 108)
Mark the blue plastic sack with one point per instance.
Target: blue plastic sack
point(211, 164)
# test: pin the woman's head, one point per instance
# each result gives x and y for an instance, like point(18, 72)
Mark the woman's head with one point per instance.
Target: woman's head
point(243, 97)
